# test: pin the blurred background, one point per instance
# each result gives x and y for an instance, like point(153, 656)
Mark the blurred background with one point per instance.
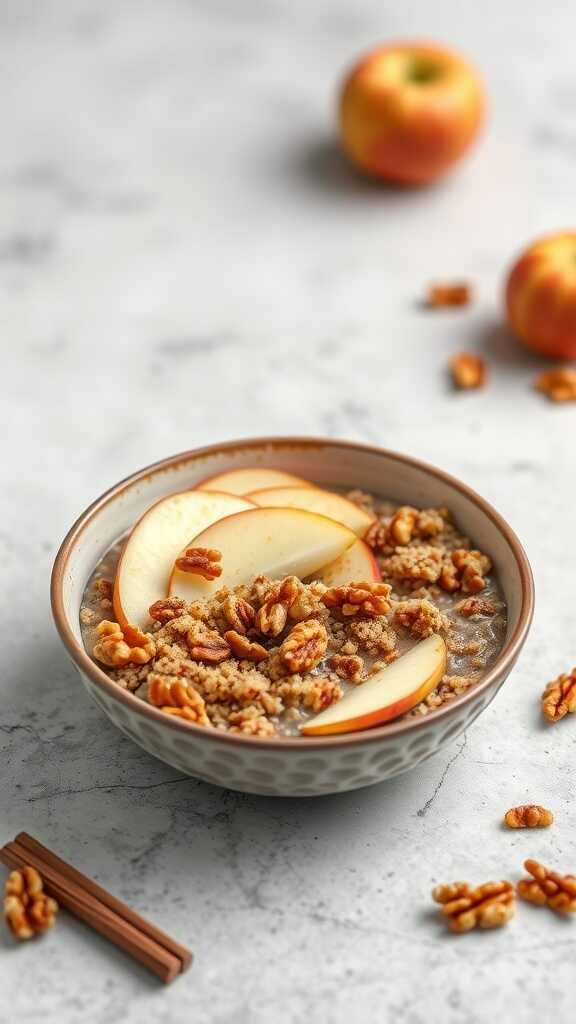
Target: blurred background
point(186, 256)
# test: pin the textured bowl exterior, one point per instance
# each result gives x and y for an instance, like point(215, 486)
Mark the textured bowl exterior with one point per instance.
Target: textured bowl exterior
point(274, 771)
point(290, 766)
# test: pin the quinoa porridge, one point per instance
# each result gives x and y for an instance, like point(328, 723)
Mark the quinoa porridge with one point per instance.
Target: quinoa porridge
point(265, 657)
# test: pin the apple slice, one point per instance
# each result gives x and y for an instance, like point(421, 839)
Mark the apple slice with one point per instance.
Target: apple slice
point(357, 563)
point(314, 499)
point(156, 541)
point(241, 481)
point(388, 694)
point(277, 542)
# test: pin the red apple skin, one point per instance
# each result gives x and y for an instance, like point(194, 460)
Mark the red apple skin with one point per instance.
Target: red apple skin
point(541, 296)
point(409, 111)
point(384, 714)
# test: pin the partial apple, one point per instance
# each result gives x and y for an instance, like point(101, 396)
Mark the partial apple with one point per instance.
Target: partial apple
point(357, 563)
point(277, 542)
point(156, 541)
point(314, 499)
point(242, 481)
point(387, 694)
point(541, 296)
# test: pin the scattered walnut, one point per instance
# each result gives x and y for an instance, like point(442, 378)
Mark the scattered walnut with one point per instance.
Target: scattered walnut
point(305, 646)
point(559, 384)
point(176, 697)
point(166, 609)
point(548, 887)
point(242, 647)
point(272, 616)
point(238, 613)
point(201, 562)
point(471, 607)
point(448, 293)
point(209, 646)
point(27, 908)
point(367, 600)
point(488, 906)
point(117, 646)
point(559, 697)
point(528, 816)
point(347, 666)
point(376, 536)
point(421, 617)
point(468, 371)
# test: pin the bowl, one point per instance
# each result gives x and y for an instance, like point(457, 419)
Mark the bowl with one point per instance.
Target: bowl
point(290, 766)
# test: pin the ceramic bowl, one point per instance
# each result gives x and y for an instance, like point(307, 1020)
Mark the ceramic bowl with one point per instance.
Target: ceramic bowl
point(291, 766)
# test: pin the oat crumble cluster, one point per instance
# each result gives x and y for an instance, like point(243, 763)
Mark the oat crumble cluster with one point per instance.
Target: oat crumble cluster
point(262, 658)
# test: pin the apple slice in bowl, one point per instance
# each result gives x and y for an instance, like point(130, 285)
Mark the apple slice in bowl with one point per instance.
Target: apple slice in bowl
point(389, 693)
point(314, 499)
point(357, 563)
point(274, 542)
point(241, 481)
point(156, 541)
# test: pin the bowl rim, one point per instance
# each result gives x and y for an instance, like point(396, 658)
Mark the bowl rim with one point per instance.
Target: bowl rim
point(85, 664)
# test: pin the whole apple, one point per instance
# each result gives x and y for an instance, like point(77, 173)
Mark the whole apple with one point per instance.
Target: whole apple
point(409, 111)
point(541, 296)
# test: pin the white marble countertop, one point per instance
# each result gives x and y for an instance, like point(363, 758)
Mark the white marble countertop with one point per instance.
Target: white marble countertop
point(185, 258)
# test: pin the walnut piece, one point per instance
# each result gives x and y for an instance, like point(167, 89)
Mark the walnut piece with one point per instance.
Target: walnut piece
point(305, 646)
point(401, 526)
point(559, 697)
point(448, 293)
point(420, 617)
point(272, 616)
point(201, 562)
point(167, 608)
point(117, 646)
point(471, 607)
point(347, 666)
point(27, 908)
point(488, 906)
point(209, 646)
point(368, 600)
point(242, 647)
point(464, 570)
point(239, 614)
point(175, 697)
point(548, 888)
point(468, 371)
point(528, 816)
point(558, 384)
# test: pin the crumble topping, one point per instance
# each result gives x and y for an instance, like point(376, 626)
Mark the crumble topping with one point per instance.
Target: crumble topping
point(261, 658)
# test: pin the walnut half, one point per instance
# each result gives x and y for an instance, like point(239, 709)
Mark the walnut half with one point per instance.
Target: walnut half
point(27, 908)
point(488, 906)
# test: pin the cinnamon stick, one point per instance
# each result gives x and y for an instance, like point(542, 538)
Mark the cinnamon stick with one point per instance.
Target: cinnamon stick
point(99, 915)
point(49, 858)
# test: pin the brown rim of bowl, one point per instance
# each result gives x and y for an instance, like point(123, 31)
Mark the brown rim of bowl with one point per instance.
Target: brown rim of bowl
point(83, 661)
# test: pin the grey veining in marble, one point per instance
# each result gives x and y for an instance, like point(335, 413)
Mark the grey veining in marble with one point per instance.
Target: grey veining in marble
point(185, 258)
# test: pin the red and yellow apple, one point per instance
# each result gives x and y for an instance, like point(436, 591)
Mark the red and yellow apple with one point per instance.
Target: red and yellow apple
point(389, 693)
point(409, 111)
point(541, 296)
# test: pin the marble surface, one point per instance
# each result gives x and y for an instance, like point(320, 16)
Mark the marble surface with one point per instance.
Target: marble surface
point(185, 258)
